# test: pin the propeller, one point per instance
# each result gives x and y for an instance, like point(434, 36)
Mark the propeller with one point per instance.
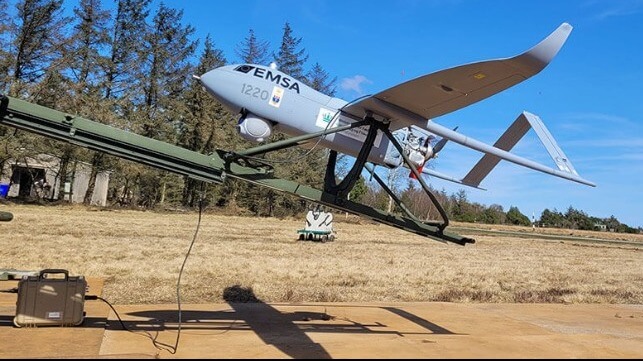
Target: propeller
point(433, 153)
point(438, 146)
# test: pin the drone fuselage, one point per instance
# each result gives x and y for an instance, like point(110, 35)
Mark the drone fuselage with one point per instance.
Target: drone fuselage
point(269, 100)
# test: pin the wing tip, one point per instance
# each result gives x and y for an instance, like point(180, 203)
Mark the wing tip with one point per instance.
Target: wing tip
point(547, 49)
point(566, 27)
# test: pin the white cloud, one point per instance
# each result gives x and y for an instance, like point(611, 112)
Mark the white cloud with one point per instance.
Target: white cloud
point(618, 9)
point(620, 142)
point(599, 117)
point(355, 83)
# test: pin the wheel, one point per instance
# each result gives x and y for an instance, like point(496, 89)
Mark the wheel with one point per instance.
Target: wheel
point(331, 238)
point(324, 238)
point(301, 237)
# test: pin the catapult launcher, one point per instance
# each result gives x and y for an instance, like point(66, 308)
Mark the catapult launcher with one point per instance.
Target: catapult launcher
point(220, 165)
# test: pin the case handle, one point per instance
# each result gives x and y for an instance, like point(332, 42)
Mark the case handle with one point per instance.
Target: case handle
point(52, 271)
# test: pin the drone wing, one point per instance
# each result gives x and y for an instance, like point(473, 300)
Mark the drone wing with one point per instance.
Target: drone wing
point(416, 102)
point(445, 91)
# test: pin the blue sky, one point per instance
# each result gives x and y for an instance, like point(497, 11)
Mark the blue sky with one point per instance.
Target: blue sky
point(590, 96)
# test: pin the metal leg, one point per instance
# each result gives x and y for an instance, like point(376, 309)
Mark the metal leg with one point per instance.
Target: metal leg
point(342, 189)
point(395, 198)
point(426, 189)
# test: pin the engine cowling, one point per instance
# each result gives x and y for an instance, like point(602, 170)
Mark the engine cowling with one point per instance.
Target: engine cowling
point(254, 128)
point(416, 144)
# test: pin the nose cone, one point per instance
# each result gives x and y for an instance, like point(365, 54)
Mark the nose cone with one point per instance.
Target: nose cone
point(210, 80)
point(222, 84)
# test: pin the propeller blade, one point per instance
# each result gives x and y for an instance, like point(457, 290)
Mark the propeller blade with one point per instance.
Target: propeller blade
point(439, 145)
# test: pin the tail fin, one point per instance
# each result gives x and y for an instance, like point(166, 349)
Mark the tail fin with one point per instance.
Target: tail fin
point(509, 138)
point(562, 162)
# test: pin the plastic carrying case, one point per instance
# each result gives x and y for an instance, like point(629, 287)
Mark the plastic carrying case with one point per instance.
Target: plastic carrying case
point(48, 301)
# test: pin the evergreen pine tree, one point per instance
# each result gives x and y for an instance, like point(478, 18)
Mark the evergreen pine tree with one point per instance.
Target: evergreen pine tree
point(289, 59)
point(515, 217)
point(125, 48)
point(164, 79)
point(31, 66)
point(206, 124)
point(318, 79)
point(88, 39)
point(37, 41)
point(105, 63)
point(4, 46)
point(85, 63)
point(252, 50)
point(166, 72)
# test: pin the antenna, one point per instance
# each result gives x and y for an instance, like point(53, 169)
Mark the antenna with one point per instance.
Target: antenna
point(533, 220)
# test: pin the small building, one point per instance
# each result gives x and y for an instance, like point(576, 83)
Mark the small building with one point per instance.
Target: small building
point(39, 177)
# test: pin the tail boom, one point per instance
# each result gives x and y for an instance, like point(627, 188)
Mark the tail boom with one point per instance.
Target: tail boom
point(493, 154)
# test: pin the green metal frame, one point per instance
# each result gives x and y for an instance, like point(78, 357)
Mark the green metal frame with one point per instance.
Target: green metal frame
point(215, 167)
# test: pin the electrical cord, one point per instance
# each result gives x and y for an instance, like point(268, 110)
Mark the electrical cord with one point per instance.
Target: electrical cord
point(159, 345)
point(178, 282)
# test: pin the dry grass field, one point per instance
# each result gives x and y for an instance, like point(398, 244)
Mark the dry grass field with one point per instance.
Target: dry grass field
point(139, 254)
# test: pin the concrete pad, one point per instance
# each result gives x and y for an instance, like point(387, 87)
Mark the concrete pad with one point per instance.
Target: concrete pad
point(331, 330)
point(408, 330)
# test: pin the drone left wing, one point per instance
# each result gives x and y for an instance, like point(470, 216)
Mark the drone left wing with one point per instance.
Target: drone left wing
point(448, 90)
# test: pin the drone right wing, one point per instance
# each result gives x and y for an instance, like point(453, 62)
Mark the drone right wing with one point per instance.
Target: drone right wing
point(447, 90)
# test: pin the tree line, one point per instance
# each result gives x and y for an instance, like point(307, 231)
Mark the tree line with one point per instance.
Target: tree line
point(460, 208)
point(131, 67)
